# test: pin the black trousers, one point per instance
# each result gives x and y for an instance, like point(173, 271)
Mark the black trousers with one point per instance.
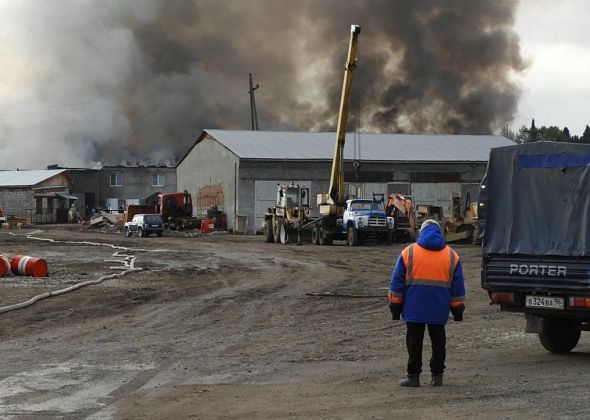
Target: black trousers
point(414, 342)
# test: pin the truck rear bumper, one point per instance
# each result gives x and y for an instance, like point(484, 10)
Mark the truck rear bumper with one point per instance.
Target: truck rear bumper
point(518, 304)
point(529, 273)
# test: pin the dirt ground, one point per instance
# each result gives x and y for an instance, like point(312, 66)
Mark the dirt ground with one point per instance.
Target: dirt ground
point(222, 326)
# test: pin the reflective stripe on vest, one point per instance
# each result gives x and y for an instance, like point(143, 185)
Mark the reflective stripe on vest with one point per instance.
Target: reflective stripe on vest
point(428, 267)
point(395, 297)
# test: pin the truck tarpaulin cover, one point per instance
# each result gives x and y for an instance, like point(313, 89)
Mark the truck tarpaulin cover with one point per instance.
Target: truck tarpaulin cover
point(538, 200)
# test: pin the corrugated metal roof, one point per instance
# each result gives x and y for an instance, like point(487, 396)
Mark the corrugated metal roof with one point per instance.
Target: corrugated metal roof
point(26, 178)
point(374, 147)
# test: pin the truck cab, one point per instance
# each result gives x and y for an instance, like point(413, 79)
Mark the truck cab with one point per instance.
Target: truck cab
point(365, 217)
point(533, 209)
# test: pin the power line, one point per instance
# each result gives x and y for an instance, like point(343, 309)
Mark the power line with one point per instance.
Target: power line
point(82, 125)
point(51, 106)
point(10, 114)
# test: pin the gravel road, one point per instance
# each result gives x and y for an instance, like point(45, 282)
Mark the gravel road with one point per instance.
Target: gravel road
point(224, 326)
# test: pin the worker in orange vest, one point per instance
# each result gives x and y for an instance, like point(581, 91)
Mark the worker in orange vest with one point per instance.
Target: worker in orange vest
point(427, 282)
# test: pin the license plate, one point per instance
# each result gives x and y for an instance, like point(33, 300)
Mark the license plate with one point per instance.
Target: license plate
point(548, 302)
point(155, 225)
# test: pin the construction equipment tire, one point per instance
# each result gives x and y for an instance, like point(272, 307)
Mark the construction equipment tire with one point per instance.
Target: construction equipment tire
point(170, 205)
point(475, 239)
point(267, 231)
point(315, 236)
point(324, 237)
point(277, 230)
point(284, 234)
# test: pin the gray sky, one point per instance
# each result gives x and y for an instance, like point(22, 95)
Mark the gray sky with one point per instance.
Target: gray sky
point(87, 80)
point(555, 39)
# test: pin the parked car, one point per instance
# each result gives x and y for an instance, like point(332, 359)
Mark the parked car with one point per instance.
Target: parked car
point(144, 224)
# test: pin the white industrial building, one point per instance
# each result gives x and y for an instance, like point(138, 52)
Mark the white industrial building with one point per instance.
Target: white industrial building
point(238, 171)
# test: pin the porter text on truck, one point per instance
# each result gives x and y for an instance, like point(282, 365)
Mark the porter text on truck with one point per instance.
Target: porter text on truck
point(538, 270)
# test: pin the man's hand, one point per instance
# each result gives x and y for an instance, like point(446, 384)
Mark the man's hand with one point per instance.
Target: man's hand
point(457, 312)
point(396, 310)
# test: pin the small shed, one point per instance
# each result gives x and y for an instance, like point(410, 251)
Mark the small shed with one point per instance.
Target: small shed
point(43, 196)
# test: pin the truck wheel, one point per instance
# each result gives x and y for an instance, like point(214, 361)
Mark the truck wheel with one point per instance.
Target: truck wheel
point(352, 236)
point(267, 231)
point(284, 234)
point(389, 237)
point(127, 232)
point(560, 335)
point(324, 237)
point(315, 236)
point(140, 232)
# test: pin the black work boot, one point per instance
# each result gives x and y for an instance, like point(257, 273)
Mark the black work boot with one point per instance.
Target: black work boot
point(437, 380)
point(410, 380)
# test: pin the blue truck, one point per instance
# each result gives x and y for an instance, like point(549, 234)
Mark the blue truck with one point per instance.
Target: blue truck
point(533, 215)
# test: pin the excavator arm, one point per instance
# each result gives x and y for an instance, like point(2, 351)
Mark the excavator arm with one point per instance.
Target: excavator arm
point(405, 206)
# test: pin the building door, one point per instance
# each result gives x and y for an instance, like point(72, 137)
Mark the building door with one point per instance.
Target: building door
point(435, 194)
point(89, 203)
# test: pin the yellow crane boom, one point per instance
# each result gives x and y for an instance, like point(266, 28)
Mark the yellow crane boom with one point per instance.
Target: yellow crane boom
point(334, 204)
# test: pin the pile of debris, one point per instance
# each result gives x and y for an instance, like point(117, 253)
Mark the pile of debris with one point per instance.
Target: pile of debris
point(104, 218)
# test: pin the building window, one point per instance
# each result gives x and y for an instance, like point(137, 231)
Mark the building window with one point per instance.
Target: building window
point(116, 180)
point(49, 205)
point(39, 205)
point(158, 180)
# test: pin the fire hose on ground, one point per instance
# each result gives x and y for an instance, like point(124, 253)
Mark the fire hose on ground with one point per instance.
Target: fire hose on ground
point(128, 262)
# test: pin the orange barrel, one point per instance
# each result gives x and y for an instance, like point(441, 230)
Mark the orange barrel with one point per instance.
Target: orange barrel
point(28, 266)
point(4, 266)
point(207, 225)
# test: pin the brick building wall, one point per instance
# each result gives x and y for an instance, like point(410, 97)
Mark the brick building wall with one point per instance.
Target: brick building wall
point(17, 201)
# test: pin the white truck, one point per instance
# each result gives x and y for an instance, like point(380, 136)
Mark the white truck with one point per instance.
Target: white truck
point(364, 218)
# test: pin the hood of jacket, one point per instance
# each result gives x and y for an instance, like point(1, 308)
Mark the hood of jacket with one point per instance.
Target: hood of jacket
point(431, 238)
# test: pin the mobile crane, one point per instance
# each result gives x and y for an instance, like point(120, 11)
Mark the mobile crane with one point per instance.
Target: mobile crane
point(351, 220)
point(340, 219)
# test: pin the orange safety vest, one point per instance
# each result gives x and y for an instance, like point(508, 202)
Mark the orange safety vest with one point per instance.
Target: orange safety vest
point(429, 268)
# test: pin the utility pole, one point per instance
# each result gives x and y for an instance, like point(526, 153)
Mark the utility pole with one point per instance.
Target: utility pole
point(533, 133)
point(253, 114)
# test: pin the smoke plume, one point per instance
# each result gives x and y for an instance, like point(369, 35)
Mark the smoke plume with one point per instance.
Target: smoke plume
point(139, 79)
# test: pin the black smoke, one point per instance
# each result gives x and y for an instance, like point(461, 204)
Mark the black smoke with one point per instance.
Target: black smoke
point(147, 76)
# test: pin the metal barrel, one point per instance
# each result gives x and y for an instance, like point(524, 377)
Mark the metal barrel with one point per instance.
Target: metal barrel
point(4, 266)
point(207, 225)
point(24, 265)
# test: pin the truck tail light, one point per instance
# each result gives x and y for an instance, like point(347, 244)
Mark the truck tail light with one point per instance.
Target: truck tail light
point(501, 297)
point(579, 301)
